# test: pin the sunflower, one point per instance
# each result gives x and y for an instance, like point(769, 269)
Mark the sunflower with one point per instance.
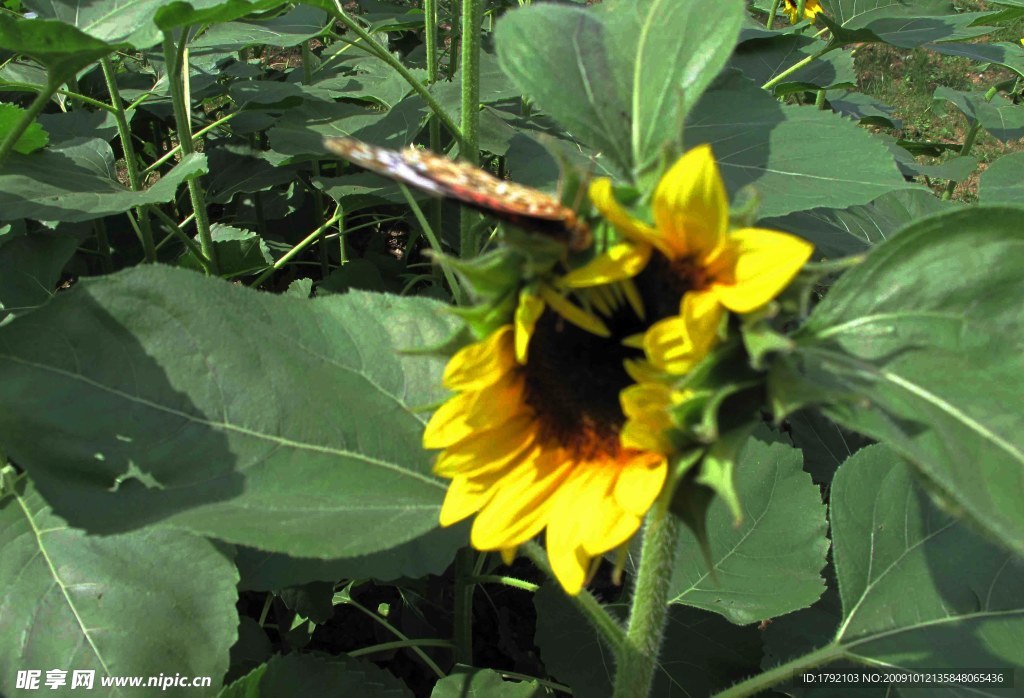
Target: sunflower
point(811, 10)
point(530, 439)
point(689, 261)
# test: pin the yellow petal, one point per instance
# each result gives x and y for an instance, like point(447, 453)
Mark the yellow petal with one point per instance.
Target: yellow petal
point(647, 419)
point(529, 309)
point(569, 561)
point(489, 450)
point(676, 344)
point(691, 211)
point(640, 483)
point(480, 364)
point(766, 261)
point(508, 555)
point(574, 314)
point(622, 261)
point(471, 412)
point(465, 497)
point(603, 198)
point(519, 508)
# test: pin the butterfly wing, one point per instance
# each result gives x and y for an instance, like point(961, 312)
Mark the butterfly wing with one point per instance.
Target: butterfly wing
point(439, 176)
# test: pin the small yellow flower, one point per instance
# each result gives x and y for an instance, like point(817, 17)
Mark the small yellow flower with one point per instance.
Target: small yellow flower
point(811, 10)
point(701, 270)
point(531, 437)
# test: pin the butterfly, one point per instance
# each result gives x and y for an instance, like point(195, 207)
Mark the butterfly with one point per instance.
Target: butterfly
point(437, 175)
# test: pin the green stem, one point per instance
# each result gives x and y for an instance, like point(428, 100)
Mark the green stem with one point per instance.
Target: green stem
point(318, 195)
point(103, 245)
point(177, 232)
point(383, 54)
point(398, 633)
point(306, 242)
point(965, 149)
point(470, 112)
point(462, 631)
point(34, 110)
point(795, 67)
point(453, 281)
point(772, 12)
point(131, 161)
point(398, 645)
point(585, 603)
point(198, 134)
point(430, 26)
point(507, 581)
point(176, 73)
point(638, 656)
point(763, 681)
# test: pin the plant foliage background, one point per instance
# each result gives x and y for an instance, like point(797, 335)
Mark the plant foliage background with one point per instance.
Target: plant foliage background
point(212, 378)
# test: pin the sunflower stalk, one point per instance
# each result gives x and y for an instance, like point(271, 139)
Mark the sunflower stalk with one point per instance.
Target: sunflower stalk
point(638, 655)
point(472, 14)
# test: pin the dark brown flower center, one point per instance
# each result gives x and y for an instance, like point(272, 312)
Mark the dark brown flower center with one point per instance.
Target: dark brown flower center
point(573, 380)
point(663, 282)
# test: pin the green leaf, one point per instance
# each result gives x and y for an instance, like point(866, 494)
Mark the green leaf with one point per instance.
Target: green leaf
point(1005, 54)
point(78, 183)
point(898, 334)
point(768, 565)
point(60, 47)
point(841, 232)
point(75, 602)
point(1003, 181)
point(172, 15)
point(288, 29)
point(430, 553)
point(32, 138)
point(919, 589)
point(258, 419)
point(789, 154)
point(702, 652)
point(468, 682)
point(1000, 117)
point(316, 675)
point(901, 23)
point(761, 60)
point(621, 76)
point(239, 252)
point(30, 266)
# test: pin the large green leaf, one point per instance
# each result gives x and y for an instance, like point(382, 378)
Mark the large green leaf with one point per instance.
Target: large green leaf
point(842, 232)
point(78, 183)
point(1003, 181)
point(32, 138)
point(621, 76)
point(790, 154)
point(276, 422)
point(63, 49)
point(1000, 117)
point(30, 266)
point(289, 29)
point(1005, 54)
point(762, 59)
point(902, 23)
point(484, 683)
point(430, 553)
point(316, 675)
point(769, 564)
point(919, 589)
point(114, 605)
point(923, 341)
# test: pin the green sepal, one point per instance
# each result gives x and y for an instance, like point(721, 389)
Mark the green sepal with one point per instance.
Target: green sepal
point(484, 318)
point(761, 339)
point(745, 207)
point(488, 275)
